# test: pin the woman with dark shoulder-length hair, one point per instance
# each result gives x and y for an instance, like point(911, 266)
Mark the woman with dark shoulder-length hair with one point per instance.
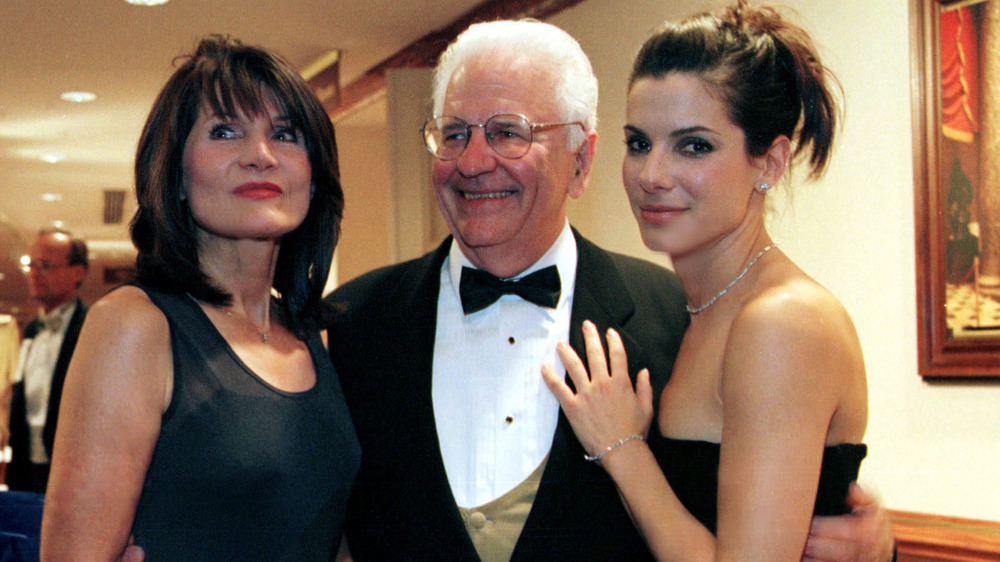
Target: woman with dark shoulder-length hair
point(761, 424)
point(202, 414)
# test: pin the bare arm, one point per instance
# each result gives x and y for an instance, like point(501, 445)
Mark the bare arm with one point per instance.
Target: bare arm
point(788, 369)
point(116, 389)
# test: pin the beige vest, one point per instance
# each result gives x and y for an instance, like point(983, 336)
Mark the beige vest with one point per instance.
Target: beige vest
point(495, 526)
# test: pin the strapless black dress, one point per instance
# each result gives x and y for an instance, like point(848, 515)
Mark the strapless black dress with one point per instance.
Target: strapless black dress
point(692, 468)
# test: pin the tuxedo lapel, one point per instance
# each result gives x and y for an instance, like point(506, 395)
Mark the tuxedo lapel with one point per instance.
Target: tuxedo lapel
point(59, 373)
point(404, 345)
point(442, 512)
point(600, 294)
point(68, 347)
point(568, 482)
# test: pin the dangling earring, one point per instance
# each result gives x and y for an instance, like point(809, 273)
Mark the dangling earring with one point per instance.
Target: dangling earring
point(763, 187)
point(312, 191)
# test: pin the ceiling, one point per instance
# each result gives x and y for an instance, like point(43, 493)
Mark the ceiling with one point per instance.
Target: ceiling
point(123, 54)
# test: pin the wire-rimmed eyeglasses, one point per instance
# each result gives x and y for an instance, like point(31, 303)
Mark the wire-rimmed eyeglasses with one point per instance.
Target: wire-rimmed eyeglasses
point(44, 266)
point(509, 134)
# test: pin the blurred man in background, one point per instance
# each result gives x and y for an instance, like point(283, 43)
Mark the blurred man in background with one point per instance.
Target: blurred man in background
point(57, 267)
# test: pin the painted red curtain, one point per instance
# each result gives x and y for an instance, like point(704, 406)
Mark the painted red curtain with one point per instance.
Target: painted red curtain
point(959, 75)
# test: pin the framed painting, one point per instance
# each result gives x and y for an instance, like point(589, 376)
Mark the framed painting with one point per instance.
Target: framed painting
point(956, 116)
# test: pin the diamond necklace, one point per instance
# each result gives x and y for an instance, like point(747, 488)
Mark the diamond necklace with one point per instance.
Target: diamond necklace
point(730, 285)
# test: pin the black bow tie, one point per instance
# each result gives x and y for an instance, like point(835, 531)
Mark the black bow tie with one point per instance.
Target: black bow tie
point(479, 289)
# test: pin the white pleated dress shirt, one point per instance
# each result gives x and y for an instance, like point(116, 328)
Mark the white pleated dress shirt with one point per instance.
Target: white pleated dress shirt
point(495, 416)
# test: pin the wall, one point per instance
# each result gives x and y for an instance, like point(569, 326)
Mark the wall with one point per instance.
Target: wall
point(367, 227)
point(934, 448)
point(419, 225)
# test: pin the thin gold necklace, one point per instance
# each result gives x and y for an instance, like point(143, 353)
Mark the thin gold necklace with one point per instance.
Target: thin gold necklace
point(242, 319)
point(711, 301)
point(251, 325)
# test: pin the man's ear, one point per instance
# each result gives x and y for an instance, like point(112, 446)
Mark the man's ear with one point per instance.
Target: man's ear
point(79, 272)
point(583, 163)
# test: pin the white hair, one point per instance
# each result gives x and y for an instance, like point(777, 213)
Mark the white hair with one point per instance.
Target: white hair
point(551, 49)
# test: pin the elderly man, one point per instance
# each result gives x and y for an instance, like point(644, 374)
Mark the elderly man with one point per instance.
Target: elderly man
point(57, 266)
point(466, 453)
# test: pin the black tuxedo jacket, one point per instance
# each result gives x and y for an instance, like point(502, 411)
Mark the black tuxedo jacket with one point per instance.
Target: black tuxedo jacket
point(19, 437)
point(382, 344)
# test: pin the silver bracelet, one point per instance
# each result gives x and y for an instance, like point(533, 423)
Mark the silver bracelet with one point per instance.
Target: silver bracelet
point(620, 442)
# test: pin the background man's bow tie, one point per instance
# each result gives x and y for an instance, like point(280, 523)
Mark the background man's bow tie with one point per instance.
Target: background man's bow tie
point(52, 323)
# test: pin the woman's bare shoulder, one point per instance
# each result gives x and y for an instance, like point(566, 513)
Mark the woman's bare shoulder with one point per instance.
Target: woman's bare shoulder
point(127, 309)
point(795, 345)
point(797, 304)
point(794, 330)
point(123, 328)
point(124, 344)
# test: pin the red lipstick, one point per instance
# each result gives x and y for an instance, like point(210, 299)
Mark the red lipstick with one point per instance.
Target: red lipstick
point(258, 190)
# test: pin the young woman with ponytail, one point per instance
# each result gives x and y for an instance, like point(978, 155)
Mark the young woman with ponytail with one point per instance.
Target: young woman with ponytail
point(761, 424)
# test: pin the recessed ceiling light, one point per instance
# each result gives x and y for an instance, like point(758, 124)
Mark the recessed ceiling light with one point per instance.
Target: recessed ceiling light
point(52, 197)
point(147, 2)
point(78, 97)
point(52, 157)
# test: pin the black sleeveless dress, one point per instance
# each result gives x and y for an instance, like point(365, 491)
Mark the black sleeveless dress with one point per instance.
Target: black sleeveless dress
point(692, 469)
point(242, 470)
